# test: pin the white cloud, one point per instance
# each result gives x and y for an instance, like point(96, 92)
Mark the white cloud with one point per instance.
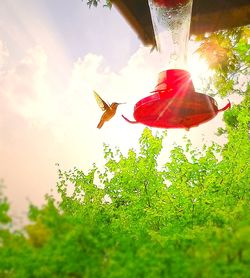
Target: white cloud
point(3, 54)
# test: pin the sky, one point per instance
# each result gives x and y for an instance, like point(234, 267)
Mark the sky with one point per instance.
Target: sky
point(52, 55)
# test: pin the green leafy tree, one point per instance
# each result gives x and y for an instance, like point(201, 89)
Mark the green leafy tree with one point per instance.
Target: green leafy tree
point(228, 53)
point(107, 3)
point(4, 208)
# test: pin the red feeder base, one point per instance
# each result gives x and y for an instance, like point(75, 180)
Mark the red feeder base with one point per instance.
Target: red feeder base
point(175, 104)
point(170, 3)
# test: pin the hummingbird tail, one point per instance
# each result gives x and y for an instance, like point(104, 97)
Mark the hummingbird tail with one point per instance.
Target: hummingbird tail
point(100, 124)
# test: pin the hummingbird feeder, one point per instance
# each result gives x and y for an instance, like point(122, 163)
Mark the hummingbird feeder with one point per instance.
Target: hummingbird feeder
point(174, 103)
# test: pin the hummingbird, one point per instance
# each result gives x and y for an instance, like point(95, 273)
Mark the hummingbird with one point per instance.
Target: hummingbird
point(109, 110)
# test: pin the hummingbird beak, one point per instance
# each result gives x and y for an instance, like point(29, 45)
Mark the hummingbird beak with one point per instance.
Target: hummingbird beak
point(122, 103)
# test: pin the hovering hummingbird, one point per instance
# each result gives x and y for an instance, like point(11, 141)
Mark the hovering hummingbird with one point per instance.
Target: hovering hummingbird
point(109, 110)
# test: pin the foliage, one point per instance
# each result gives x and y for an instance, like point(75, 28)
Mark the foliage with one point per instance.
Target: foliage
point(188, 218)
point(95, 3)
point(4, 207)
point(228, 53)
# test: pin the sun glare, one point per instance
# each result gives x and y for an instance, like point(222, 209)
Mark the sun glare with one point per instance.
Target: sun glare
point(198, 69)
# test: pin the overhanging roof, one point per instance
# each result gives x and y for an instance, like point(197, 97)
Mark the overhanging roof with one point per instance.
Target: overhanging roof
point(207, 16)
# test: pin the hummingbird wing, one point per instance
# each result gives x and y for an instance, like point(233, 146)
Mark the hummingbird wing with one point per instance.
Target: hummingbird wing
point(102, 104)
